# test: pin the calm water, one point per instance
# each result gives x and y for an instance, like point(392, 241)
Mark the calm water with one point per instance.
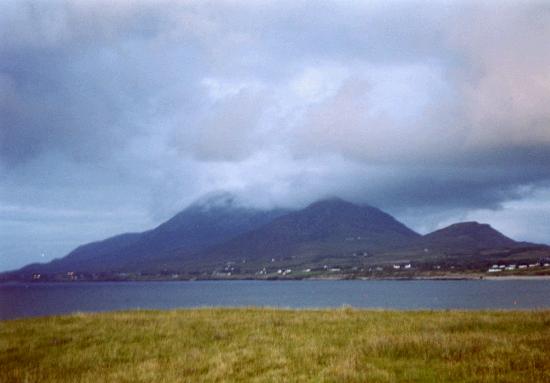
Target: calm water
point(20, 300)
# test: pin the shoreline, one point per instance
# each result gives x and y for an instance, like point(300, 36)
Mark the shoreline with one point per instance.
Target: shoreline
point(443, 277)
point(518, 277)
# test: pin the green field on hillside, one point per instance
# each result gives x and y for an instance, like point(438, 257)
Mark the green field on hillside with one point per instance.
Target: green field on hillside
point(270, 345)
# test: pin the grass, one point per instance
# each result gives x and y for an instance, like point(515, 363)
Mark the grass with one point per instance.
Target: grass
point(269, 345)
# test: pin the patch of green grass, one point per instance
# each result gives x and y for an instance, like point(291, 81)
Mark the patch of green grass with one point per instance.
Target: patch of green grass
point(269, 345)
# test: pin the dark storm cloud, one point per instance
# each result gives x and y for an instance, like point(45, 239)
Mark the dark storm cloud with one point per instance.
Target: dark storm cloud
point(146, 105)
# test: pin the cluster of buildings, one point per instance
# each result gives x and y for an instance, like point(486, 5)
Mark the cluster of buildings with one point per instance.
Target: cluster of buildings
point(284, 271)
point(70, 275)
point(498, 268)
point(406, 266)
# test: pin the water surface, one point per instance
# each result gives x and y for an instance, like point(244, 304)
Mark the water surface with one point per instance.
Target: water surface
point(39, 299)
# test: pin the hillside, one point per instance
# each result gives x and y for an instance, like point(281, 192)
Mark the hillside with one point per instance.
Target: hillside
point(218, 236)
point(324, 230)
point(204, 223)
point(468, 236)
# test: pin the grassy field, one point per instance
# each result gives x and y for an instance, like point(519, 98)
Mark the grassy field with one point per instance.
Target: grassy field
point(266, 345)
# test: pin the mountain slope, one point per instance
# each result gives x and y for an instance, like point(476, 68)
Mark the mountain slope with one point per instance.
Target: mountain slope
point(216, 232)
point(204, 223)
point(333, 227)
point(467, 236)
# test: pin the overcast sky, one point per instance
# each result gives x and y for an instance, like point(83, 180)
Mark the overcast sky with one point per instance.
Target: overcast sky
point(114, 115)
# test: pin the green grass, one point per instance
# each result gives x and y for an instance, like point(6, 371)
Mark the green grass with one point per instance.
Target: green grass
point(268, 345)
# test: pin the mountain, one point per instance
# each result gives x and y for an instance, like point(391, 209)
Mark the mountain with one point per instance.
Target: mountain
point(206, 222)
point(217, 234)
point(468, 236)
point(326, 229)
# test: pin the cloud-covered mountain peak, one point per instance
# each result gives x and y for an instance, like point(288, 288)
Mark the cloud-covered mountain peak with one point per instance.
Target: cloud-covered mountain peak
point(217, 200)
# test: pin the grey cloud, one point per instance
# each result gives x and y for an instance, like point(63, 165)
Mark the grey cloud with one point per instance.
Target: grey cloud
point(228, 132)
point(84, 79)
point(438, 107)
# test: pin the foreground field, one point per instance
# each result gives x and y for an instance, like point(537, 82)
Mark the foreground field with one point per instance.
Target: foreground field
point(264, 345)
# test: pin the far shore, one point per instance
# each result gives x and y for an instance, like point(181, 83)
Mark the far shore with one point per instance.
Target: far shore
point(336, 277)
point(519, 277)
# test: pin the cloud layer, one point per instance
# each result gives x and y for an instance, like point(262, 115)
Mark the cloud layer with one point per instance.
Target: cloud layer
point(430, 110)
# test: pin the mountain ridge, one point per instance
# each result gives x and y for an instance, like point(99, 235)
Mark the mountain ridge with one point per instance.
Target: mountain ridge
point(197, 226)
point(321, 227)
point(470, 234)
point(217, 230)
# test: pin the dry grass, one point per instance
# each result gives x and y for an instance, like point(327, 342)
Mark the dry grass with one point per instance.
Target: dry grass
point(265, 345)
